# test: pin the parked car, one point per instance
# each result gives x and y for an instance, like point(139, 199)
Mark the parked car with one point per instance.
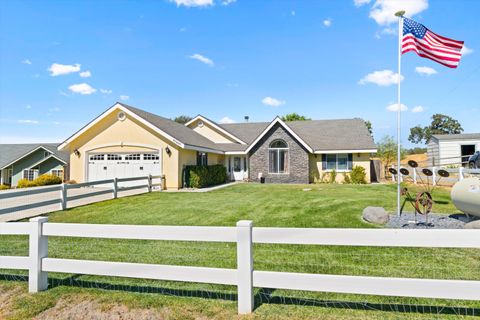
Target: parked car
point(474, 161)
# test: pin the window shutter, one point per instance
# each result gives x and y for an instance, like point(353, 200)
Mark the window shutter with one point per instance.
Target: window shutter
point(206, 159)
point(324, 162)
point(350, 161)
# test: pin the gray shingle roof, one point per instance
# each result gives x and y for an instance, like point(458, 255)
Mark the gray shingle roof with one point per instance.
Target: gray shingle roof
point(457, 136)
point(174, 129)
point(321, 135)
point(12, 152)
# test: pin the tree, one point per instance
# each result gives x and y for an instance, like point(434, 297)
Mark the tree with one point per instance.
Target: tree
point(294, 117)
point(368, 124)
point(387, 151)
point(182, 119)
point(441, 124)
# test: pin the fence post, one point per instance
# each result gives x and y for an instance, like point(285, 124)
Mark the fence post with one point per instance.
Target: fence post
point(415, 175)
point(115, 188)
point(245, 266)
point(63, 196)
point(38, 249)
point(460, 174)
point(149, 183)
point(434, 176)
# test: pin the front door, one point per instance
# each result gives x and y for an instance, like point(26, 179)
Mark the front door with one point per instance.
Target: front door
point(239, 168)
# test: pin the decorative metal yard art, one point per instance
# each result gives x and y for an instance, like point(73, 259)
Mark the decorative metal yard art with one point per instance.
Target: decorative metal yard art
point(422, 202)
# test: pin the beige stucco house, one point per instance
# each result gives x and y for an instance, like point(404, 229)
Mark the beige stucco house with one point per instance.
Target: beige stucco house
point(125, 141)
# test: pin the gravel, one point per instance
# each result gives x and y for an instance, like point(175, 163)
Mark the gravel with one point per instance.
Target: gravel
point(436, 221)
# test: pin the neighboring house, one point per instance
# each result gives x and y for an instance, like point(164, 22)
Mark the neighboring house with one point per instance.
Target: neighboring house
point(125, 141)
point(28, 161)
point(450, 149)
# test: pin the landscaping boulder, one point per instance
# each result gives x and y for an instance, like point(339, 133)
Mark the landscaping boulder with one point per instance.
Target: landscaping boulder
point(376, 215)
point(473, 225)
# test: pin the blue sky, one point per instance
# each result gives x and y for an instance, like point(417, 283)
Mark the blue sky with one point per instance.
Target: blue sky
point(63, 62)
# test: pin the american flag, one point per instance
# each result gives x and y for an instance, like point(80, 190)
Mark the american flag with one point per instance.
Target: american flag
point(417, 38)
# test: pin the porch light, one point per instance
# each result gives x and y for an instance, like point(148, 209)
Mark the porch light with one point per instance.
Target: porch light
point(76, 152)
point(168, 151)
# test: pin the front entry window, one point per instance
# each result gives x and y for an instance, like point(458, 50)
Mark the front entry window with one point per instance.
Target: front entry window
point(237, 167)
point(278, 157)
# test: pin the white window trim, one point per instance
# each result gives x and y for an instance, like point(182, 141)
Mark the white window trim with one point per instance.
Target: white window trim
point(278, 158)
point(336, 163)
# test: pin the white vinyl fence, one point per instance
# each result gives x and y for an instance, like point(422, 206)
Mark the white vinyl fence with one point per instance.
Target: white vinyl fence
point(18, 200)
point(244, 276)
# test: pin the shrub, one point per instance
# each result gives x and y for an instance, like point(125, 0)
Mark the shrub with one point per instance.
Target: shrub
point(24, 183)
point(205, 176)
point(333, 177)
point(47, 180)
point(4, 187)
point(358, 175)
point(346, 178)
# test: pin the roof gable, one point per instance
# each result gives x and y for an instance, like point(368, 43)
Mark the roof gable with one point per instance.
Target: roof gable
point(214, 125)
point(11, 153)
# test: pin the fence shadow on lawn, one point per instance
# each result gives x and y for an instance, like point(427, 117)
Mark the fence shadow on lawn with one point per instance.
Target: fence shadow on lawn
point(263, 296)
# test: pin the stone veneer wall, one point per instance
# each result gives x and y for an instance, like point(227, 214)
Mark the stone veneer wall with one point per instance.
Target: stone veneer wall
point(298, 159)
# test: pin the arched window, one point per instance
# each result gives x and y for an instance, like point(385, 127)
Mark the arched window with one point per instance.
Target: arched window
point(278, 157)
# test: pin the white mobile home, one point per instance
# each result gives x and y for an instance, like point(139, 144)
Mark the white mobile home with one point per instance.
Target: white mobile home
point(450, 149)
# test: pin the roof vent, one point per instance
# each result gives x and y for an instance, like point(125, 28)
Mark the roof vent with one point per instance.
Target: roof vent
point(121, 116)
point(200, 123)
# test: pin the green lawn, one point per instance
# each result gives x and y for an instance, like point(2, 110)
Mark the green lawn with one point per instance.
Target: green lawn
point(267, 205)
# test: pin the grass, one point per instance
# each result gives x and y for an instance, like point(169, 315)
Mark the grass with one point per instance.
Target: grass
point(267, 205)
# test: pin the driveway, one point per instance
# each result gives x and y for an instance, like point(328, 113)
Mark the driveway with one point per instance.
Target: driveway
point(26, 206)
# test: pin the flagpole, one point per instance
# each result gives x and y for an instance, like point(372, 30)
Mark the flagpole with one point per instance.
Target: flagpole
point(399, 14)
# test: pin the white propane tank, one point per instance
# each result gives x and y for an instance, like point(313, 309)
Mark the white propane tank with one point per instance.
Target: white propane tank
point(466, 196)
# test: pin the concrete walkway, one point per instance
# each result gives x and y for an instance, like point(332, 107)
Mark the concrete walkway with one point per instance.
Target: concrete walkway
point(221, 186)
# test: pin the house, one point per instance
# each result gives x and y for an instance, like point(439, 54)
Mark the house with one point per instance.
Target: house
point(451, 149)
point(126, 141)
point(28, 161)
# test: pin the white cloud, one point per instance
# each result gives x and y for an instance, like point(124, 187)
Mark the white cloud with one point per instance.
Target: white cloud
point(30, 139)
point(226, 120)
point(228, 2)
point(63, 93)
point(28, 107)
point(359, 3)
point(394, 107)
point(183, 29)
point(383, 11)
point(382, 78)
point(85, 74)
point(26, 121)
point(327, 22)
point(57, 69)
point(82, 88)
point(105, 91)
point(269, 101)
point(55, 109)
point(27, 61)
point(425, 71)
point(202, 59)
point(465, 50)
point(418, 109)
point(193, 3)
point(36, 76)
point(293, 12)
point(124, 97)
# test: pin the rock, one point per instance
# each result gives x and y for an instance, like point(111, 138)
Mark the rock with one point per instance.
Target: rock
point(376, 215)
point(473, 225)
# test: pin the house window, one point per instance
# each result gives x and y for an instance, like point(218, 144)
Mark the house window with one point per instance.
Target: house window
point(114, 157)
point(97, 157)
point(202, 159)
point(57, 173)
point(30, 174)
point(337, 162)
point(278, 157)
point(135, 156)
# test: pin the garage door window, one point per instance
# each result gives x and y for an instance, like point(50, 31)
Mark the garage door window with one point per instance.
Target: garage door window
point(150, 156)
point(132, 156)
point(97, 157)
point(114, 157)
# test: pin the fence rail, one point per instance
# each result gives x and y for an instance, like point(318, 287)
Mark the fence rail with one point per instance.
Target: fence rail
point(63, 197)
point(244, 276)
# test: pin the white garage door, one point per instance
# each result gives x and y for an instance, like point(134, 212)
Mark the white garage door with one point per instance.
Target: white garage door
point(123, 165)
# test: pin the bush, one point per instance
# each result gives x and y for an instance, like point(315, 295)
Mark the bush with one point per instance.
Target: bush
point(358, 175)
point(24, 183)
point(43, 180)
point(47, 180)
point(4, 187)
point(346, 178)
point(333, 177)
point(205, 176)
